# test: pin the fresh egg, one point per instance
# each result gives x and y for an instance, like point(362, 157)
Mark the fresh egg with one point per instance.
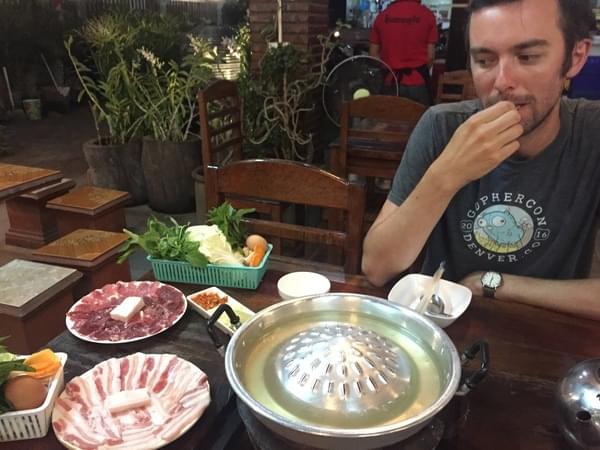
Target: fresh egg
point(25, 392)
point(254, 239)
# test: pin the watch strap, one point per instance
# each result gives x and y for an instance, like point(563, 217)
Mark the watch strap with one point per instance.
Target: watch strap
point(488, 291)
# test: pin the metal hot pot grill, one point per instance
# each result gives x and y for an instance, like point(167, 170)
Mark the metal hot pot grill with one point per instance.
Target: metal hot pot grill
point(344, 371)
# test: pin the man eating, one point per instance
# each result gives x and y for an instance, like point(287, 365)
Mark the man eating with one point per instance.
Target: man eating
point(505, 189)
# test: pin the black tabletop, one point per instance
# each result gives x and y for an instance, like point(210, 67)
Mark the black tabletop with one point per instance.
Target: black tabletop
point(187, 339)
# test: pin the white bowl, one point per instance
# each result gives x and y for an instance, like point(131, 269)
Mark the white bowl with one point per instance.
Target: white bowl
point(407, 290)
point(302, 284)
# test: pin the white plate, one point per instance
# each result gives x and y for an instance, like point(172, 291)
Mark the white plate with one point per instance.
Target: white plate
point(106, 292)
point(223, 323)
point(407, 290)
point(184, 379)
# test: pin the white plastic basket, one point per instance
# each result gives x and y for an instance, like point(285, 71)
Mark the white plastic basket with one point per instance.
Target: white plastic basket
point(33, 423)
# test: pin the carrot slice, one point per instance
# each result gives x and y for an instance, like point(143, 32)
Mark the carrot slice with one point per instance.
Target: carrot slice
point(257, 255)
point(45, 362)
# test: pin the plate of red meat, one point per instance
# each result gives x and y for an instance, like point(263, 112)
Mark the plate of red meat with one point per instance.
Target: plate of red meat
point(126, 312)
point(138, 401)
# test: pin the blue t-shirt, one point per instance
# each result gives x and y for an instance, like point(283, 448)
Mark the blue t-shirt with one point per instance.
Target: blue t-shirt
point(534, 217)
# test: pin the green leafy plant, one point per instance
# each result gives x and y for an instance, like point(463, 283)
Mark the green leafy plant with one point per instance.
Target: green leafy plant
point(284, 90)
point(162, 241)
point(229, 221)
point(114, 36)
point(166, 92)
point(111, 99)
point(8, 363)
point(117, 81)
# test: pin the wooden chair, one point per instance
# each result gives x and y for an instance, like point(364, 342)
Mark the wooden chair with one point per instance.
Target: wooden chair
point(373, 133)
point(220, 123)
point(221, 131)
point(455, 86)
point(295, 183)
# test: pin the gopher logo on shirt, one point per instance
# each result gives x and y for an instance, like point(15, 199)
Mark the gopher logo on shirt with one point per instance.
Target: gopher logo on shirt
point(505, 227)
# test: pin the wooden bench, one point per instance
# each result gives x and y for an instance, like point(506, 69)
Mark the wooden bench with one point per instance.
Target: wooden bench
point(93, 252)
point(90, 207)
point(34, 299)
point(31, 224)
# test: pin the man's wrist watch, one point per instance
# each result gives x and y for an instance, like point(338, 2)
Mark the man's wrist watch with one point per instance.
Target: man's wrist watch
point(490, 281)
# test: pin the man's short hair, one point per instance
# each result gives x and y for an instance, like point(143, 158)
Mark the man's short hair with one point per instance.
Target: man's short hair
point(577, 21)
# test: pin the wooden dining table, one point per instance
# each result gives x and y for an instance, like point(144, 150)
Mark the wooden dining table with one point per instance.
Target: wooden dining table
point(512, 408)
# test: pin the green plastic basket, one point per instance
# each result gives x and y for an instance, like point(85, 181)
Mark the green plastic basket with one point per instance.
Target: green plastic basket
point(212, 275)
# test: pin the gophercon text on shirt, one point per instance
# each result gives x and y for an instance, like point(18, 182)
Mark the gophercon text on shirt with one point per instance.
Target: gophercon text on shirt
point(504, 227)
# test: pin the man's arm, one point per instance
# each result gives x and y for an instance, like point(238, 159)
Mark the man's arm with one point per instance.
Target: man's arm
point(430, 54)
point(400, 232)
point(374, 50)
point(577, 297)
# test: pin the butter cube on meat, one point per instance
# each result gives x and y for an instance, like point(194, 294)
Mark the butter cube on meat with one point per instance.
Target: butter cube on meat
point(125, 400)
point(127, 309)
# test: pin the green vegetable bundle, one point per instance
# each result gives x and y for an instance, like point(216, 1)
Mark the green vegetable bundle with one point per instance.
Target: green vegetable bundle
point(174, 243)
point(161, 241)
point(8, 363)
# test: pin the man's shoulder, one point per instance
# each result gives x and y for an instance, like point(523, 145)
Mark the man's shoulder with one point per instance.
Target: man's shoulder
point(582, 106)
point(583, 112)
point(426, 11)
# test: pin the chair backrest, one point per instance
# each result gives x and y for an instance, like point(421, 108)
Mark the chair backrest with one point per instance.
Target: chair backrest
point(455, 86)
point(220, 123)
point(374, 129)
point(295, 183)
point(384, 118)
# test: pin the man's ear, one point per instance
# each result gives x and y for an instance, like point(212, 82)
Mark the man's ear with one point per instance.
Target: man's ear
point(579, 56)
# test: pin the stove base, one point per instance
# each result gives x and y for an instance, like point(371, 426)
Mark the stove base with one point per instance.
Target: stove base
point(263, 438)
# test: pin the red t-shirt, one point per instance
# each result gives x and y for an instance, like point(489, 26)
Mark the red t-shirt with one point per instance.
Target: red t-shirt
point(403, 30)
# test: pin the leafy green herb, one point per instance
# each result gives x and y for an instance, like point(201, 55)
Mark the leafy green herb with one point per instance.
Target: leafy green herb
point(7, 365)
point(229, 221)
point(162, 241)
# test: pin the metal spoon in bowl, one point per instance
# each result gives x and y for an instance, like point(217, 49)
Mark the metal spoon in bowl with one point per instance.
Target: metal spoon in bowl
point(437, 306)
point(431, 289)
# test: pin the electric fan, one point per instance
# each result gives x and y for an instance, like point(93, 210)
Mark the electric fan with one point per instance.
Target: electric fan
point(353, 78)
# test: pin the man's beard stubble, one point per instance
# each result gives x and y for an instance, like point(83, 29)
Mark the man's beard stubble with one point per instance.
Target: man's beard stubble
point(537, 117)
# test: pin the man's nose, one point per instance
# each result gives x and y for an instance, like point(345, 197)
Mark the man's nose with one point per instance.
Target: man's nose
point(505, 79)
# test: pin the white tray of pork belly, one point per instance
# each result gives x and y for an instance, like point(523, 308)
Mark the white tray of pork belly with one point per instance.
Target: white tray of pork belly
point(126, 312)
point(141, 401)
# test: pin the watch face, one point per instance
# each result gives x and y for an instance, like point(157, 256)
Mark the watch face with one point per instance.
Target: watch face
point(491, 279)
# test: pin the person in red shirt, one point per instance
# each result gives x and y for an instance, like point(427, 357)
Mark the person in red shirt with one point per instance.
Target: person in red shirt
point(404, 37)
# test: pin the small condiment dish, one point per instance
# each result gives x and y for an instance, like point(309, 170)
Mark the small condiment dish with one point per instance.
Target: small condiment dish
point(408, 290)
point(302, 284)
point(197, 302)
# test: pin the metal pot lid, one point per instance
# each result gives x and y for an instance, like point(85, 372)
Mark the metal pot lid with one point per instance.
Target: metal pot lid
point(337, 366)
point(342, 365)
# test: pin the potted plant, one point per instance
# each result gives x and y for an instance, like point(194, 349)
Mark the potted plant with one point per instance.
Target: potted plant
point(278, 98)
point(166, 94)
point(114, 157)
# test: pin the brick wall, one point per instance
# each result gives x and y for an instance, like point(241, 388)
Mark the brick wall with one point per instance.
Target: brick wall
point(303, 21)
